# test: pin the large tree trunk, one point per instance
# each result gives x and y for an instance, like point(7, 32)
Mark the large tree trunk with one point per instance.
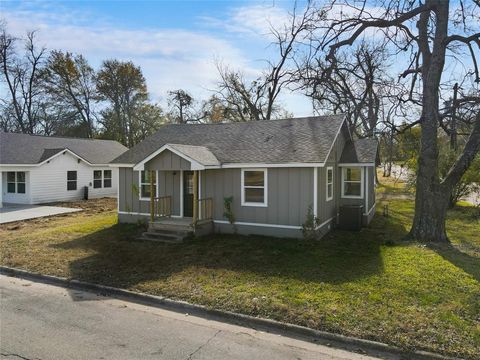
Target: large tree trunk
point(431, 199)
point(430, 213)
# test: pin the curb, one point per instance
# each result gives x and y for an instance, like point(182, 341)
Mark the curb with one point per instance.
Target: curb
point(369, 347)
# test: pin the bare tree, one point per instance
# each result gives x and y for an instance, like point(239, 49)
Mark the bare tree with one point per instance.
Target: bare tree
point(356, 85)
point(431, 31)
point(257, 100)
point(21, 76)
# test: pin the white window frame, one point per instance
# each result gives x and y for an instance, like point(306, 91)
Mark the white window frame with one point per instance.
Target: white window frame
point(16, 182)
point(109, 178)
point(328, 198)
point(101, 179)
point(362, 182)
point(71, 181)
point(264, 187)
point(140, 185)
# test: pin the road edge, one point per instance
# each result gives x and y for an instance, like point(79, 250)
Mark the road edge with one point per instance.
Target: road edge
point(367, 347)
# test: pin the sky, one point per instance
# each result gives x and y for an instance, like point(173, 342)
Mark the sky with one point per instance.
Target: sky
point(176, 43)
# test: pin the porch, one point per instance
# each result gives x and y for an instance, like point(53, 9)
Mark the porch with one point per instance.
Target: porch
point(164, 226)
point(171, 183)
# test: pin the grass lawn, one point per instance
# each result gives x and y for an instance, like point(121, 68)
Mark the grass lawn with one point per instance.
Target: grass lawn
point(369, 284)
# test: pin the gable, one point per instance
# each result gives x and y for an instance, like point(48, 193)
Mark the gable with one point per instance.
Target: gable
point(167, 160)
point(360, 151)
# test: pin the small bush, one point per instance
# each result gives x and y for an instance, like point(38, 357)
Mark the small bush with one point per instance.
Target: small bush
point(310, 225)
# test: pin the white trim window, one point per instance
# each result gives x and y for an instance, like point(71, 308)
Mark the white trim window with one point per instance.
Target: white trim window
point(107, 178)
point(100, 181)
point(16, 182)
point(145, 184)
point(352, 182)
point(97, 179)
point(254, 187)
point(71, 180)
point(329, 183)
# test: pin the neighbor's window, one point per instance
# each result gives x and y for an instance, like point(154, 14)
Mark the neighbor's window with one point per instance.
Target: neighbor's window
point(352, 182)
point(329, 183)
point(107, 178)
point(97, 179)
point(71, 180)
point(254, 187)
point(145, 184)
point(16, 182)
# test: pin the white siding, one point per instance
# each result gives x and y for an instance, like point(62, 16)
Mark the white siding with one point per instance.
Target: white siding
point(48, 182)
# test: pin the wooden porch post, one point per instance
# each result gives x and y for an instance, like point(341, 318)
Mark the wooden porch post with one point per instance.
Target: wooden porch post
point(195, 197)
point(152, 196)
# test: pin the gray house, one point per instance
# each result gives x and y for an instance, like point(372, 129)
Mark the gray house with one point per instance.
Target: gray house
point(269, 172)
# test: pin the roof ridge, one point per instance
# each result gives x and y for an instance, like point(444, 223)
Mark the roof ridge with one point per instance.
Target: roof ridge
point(55, 137)
point(255, 121)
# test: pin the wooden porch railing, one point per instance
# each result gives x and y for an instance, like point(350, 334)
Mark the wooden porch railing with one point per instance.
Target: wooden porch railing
point(163, 206)
point(205, 207)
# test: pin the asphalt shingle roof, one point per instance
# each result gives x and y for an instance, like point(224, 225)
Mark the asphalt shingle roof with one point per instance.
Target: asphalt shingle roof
point(360, 151)
point(200, 154)
point(33, 149)
point(302, 140)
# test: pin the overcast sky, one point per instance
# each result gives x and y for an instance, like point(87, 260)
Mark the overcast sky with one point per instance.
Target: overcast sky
point(176, 43)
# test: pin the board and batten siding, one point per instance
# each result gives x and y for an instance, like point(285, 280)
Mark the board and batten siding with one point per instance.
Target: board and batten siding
point(129, 191)
point(290, 193)
point(371, 187)
point(329, 209)
point(167, 161)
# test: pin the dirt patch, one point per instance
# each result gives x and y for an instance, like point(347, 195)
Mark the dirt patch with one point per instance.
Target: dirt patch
point(89, 207)
point(92, 206)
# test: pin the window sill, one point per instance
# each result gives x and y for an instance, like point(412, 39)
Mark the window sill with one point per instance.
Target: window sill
point(352, 197)
point(254, 204)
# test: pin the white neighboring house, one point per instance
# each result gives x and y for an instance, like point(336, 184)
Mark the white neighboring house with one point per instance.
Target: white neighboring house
point(40, 169)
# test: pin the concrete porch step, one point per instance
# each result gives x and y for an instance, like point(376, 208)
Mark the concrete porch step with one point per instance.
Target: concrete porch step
point(171, 227)
point(162, 237)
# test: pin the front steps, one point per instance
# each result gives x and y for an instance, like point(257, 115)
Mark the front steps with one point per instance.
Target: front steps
point(167, 231)
point(175, 230)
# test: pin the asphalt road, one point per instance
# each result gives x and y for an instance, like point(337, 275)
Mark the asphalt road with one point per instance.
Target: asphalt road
point(39, 321)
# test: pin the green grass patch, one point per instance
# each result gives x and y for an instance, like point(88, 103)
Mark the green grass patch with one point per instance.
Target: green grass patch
point(371, 284)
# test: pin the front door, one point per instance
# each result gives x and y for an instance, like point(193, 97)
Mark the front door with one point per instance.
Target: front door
point(188, 193)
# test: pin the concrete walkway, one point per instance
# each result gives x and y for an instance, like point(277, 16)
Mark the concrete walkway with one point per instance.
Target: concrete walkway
point(39, 321)
point(14, 212)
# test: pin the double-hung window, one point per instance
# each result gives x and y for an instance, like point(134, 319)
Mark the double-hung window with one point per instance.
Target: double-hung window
point(71, 180)
point(98, 181)
point(254, 187)
point(329, 182)
point(107, 178)
point(16, 182)
point(352, 182)
point(145, 183)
